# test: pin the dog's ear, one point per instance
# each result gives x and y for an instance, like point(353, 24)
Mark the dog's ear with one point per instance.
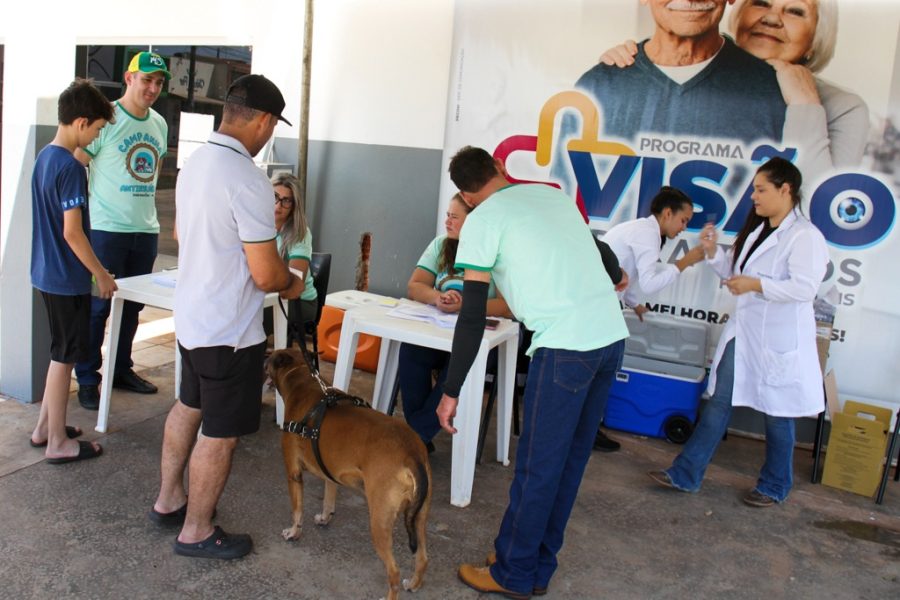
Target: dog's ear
point(281, 360)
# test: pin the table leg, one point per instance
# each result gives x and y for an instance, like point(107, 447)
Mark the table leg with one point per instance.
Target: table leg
point(343, 364)
point(887, 465)
point(280, 325)
point(388, 360)
point(465, 442)
point(507, 354)
point(112, 345)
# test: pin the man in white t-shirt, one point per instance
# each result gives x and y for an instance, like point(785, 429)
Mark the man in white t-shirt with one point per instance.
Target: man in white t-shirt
point(228, 260)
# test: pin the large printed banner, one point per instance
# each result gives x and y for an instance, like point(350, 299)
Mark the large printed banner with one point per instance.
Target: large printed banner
point(526, 85)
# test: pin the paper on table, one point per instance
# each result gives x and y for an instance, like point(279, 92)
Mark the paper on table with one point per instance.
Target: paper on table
point(424, 312)
point(165, 279)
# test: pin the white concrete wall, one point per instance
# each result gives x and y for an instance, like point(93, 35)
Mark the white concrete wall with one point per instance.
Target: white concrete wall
point(379, 77)
point(380, 71)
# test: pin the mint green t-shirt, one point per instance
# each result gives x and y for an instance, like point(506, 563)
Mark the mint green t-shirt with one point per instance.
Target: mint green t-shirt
point(126, 159)
point(542, 256)
point(302, 250)
point(444, 279)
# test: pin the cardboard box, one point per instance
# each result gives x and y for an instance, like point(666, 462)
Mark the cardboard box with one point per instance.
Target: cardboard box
point(855, 457)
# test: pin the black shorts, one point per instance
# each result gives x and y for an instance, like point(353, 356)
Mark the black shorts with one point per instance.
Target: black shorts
point(70, 320)
point(226, 386)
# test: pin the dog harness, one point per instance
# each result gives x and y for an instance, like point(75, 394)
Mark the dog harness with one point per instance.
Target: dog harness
point(310, 425)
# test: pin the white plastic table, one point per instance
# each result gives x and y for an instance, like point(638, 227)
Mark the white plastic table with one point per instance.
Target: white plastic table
point(368, 314)
point(146, 289)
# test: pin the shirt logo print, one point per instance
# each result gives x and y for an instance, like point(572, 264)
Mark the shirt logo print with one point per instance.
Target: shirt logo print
point(141, 162)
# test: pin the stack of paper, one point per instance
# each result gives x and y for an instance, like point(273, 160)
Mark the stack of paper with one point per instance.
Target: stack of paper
point(165, 279)
point(426, 313)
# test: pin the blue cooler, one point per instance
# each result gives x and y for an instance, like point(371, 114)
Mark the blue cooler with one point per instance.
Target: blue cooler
point(658, 389)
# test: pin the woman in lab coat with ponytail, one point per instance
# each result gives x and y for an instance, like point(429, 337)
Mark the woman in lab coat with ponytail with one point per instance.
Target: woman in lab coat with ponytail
point(766, 358)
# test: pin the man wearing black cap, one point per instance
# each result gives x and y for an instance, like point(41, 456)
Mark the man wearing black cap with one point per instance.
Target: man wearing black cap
point(227, 262)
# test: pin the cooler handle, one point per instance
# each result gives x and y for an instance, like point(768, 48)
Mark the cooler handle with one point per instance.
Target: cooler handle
point(622, 376)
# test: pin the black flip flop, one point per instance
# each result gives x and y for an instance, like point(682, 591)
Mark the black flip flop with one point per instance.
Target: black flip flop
point(172, 519)
point(218, 545)
point(71, 433)
point(169, 519)
point(85, 451)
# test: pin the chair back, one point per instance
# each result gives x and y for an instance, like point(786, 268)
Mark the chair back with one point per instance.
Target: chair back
point(320, 268)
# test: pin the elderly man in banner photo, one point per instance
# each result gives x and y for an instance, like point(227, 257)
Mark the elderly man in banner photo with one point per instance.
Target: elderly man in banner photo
point(829, 124)
point(688, 80)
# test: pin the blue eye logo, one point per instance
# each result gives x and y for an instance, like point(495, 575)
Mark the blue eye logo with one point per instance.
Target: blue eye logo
point(851, 210)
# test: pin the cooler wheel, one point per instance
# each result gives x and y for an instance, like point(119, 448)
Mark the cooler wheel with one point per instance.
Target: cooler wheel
point(678, 429)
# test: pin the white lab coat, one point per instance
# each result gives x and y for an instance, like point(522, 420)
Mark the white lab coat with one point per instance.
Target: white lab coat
point(637, 244)
point(776, 366)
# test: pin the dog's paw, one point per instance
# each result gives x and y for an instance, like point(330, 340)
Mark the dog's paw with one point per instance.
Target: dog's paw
point(292, 533)
point(323, 519)
point(409, 586)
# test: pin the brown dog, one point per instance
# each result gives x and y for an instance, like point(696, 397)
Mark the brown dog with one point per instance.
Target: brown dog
point(361, 448)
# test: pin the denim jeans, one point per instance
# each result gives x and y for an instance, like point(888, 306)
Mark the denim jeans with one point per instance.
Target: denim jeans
point(775, 478)
point(565, 397)
point(420, 396)
point(123, 255)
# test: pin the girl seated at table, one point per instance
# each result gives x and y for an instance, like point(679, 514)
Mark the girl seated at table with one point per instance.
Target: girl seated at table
point(435, 281)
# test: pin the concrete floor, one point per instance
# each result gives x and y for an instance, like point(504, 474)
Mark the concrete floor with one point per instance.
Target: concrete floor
point(81, 531)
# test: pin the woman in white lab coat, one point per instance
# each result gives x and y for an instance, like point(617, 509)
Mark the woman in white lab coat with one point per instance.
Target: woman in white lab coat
point(766, 358)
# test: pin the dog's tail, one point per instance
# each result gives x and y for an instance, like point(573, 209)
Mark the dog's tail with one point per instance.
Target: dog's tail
point(413, 509)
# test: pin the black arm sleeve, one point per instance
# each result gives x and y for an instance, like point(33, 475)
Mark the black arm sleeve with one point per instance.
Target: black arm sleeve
point(467, 336)
point(610, 261)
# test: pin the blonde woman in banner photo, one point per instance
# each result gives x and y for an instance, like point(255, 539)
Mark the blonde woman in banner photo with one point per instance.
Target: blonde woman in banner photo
point(828, 124)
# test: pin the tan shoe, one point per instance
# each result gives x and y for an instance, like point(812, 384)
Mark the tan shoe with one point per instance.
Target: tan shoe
point(480, 579)
point(757, 499)
point(492, 558)
point(662, 478)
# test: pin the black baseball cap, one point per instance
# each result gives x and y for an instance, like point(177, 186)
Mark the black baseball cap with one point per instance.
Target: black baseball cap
point(260, 94)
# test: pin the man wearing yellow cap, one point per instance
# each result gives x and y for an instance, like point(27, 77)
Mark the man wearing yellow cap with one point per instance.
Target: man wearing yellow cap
point(124, 162)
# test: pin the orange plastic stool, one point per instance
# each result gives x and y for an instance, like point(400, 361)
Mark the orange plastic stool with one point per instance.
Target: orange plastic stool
point(367, 348)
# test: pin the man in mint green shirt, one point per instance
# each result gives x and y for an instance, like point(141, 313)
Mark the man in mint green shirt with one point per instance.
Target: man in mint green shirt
point(541, 254)
point(124, 162)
